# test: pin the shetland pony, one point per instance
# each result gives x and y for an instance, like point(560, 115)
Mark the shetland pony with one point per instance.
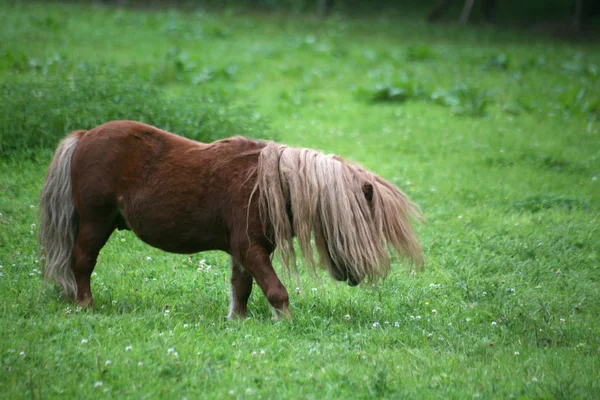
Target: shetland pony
point(238, 195)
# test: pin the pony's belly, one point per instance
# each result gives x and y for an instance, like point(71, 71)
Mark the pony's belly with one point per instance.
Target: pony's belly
point(173, 242)
point(179, 235)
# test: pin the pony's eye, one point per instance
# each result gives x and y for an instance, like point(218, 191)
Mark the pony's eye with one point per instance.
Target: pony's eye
point(368, 191)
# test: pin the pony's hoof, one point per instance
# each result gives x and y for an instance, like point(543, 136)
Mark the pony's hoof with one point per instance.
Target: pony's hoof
point(85, 303)
point(236, 316)
point(281, 315)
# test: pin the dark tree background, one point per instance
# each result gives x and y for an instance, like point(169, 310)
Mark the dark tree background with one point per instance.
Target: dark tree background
point(575, 15)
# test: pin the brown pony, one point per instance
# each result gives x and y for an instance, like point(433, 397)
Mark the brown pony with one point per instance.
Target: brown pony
point(238, 195)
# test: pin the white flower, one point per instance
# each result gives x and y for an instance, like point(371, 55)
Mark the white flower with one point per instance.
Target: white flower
point(375, 325)
point(122, 239)
point(98, 384)
point(378, 309)
point(140, 363)
point(114, 302)
point(204, 267)
point(148, 258)
point(171, 352)
point(460, 217)
point(262, 352)
point(185, 326)
point(254, 354)
point(434, 311)
point(516, 353)
point(494, 323)
point(397, 324)
point(435, 285)
point(314, 290)
point(84, 341)
point(128, 348)
point(418, 317)
point(298, 290)
point(562, 320)
point(22, 354)
point(347, 317)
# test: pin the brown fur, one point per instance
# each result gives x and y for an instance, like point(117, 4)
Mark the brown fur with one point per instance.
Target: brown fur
point(238, 195)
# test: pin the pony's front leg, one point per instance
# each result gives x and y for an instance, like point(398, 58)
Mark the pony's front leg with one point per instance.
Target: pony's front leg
point(258, 263)
point(241, 287)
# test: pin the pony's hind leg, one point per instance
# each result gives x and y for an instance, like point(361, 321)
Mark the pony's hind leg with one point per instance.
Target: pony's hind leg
point(257, 262)
point(241, 287)
point(94, 231)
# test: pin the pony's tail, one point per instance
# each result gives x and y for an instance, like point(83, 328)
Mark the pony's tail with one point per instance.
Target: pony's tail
point(351, 216)
point(58, 221)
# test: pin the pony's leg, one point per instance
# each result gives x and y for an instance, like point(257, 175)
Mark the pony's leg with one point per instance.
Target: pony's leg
point(241, 287)
point(93, 234)
point(258, 263)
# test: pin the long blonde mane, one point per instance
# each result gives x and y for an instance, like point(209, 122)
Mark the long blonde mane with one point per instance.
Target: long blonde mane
point(326, 197)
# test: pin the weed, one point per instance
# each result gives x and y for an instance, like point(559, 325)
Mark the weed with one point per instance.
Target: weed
point(39, 115)
point(464, 99)
point(539, 203)
point(420, 53)
point(499, 62)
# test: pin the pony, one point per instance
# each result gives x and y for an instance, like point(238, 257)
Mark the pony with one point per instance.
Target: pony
point(246, 197)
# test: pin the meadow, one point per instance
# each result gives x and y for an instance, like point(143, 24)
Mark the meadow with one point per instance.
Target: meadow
point(494, 133)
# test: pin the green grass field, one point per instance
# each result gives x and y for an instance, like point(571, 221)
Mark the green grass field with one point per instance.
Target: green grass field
point(495, 134)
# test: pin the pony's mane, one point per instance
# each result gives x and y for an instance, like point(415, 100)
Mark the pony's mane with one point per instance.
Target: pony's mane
point(326, 196)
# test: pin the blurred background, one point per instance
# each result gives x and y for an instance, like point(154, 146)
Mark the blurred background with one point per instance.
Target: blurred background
point(558, 16)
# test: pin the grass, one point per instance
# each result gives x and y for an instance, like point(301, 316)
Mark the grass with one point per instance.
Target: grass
point(494, 134)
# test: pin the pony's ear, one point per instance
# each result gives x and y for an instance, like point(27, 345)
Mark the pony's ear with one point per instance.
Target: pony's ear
point(368, 191)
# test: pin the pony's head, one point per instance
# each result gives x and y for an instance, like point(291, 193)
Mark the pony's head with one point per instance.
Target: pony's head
point(340, 270)
point(352, 217)
point(342, 273)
